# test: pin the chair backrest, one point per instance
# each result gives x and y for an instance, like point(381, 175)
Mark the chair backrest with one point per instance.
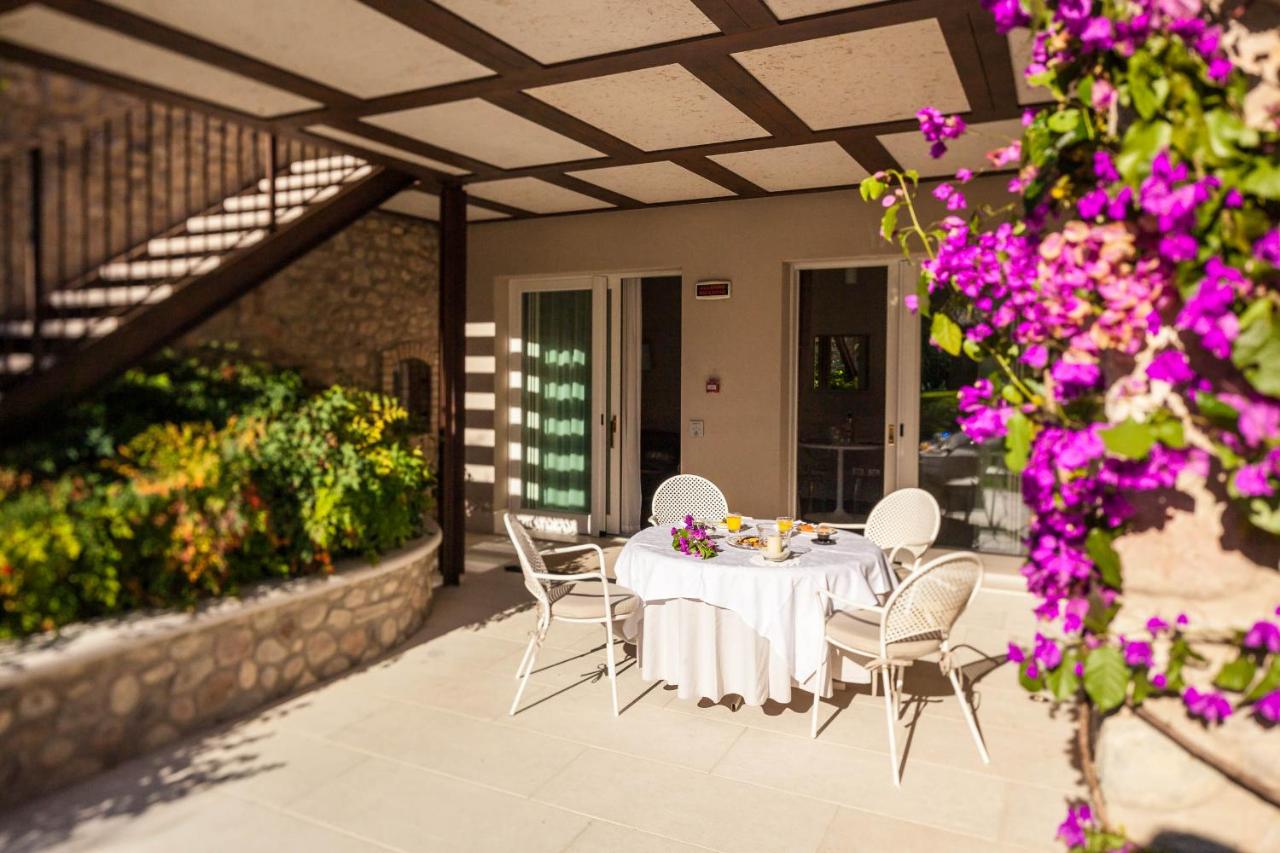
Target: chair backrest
point(905, 516)
point(530, 559)
point(688, 494)
point(930, 600)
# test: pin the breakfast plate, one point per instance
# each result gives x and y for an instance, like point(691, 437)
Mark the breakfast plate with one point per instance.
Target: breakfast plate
point(746, 543)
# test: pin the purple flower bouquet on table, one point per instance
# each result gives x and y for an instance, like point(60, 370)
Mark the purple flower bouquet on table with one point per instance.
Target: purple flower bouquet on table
point(692, 540)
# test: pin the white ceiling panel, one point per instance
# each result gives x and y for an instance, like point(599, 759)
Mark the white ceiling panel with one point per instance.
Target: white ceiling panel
point(1020, 57)
point(653, 108)
point(427, 206)
point(341, 43)
point(654, 183)
point(558, 30)
point(968, 152)
point(45, 30)
point(861, 77)
point(391, 151)
point(787, 9)
point(482, 131)
point(534, 195)
point(795, 167)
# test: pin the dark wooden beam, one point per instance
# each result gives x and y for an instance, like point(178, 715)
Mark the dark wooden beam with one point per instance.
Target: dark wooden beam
point(430, 179)
point(958, 32)
point(454, 32)
point(736, 85)
point(416, 146)
point(453, 318)
point(80, 371)
point(997, 64)
point(722, 14)
point(869, 152)
point(754, 13)
point(714, 172)
point(578, 185)
point(148, 30)
point(551, 118)
point(688, 50)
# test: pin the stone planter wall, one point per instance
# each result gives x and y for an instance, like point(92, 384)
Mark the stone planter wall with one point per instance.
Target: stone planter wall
point(99, 694)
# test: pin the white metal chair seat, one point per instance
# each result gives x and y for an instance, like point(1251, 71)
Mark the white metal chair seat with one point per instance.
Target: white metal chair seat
point(585, 601)
point(907, 521)
point(687, 494)
point(914, 622)
point(567, 598)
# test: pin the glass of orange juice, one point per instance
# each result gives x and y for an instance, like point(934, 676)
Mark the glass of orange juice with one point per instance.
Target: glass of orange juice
point(733, 521)
point(784, 524)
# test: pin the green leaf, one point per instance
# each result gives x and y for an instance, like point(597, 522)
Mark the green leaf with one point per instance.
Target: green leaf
point(1098, 545)
point(946, 334)
point(1064, 120)
point(889, 222)
point(1142, 142)
point(1264, 516)
point(1031, 684)
point(1063, 681)
point(1017, 442)
point(1170, 433)
point(1269, 682)
point(1264, 180)
point(1142, 687)
point(1236, 675)
point(1227, 131)
point(1012, 395)
point(1129, 439)
point(1211, 407)
point(1106, 678)
point(1256, 350)
point(871, 188)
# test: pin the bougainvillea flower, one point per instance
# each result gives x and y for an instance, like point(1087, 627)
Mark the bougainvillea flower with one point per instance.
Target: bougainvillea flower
point(1264, 636)
point(1210, 706)
point(1072, 830)
point(1268, 707)
point(1138, 653)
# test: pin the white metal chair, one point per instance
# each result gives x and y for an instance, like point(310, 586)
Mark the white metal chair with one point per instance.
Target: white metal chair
point(578, 597)
point(914, 622)
point(687, 494)
point(906, 520)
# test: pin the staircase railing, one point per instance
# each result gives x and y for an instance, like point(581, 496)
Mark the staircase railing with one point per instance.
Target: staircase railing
point(71, 205)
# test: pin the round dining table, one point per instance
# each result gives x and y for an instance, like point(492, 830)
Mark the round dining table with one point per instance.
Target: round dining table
point(738, 625)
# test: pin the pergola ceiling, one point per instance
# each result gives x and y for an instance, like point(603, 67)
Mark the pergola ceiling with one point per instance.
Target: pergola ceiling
point(541, 107)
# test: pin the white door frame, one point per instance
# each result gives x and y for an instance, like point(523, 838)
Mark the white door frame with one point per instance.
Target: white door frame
point(902, 369)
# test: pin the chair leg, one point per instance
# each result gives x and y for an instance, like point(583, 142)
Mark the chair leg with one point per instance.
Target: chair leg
point(968, 717)
point(535, 645)
point(897, 695)
point(613, 675)
point(819, 677)
point(890, 718)
point(533, 639)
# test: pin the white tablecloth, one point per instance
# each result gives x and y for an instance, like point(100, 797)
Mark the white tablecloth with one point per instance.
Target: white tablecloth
point(778, 603)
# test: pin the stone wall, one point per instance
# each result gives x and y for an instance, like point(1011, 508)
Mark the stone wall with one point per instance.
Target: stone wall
point(100, 694)
point(349, 309)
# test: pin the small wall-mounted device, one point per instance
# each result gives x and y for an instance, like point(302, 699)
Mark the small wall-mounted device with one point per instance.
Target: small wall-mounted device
point(713, 385)
point(713, 289)
point(696, 428)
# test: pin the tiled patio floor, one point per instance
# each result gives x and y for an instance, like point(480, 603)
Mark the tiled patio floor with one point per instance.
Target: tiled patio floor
point(417, 753)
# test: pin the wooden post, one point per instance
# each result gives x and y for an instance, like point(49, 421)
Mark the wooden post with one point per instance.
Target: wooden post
point(453, 313)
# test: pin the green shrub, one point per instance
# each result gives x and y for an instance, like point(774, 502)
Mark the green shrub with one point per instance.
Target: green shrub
point(191, 477)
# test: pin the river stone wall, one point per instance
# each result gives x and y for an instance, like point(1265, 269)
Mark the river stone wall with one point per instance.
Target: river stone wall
point(93, 697)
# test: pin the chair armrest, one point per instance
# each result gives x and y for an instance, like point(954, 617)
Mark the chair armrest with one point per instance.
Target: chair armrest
point(568, 578)
point(908, 547)
point(847, 604)
point(571, 549)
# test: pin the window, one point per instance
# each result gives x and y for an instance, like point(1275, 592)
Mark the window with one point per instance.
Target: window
point(840, 362)
point(412, 388)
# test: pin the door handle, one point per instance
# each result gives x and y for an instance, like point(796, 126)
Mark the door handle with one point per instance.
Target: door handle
point(892, 435)
point(613, 429)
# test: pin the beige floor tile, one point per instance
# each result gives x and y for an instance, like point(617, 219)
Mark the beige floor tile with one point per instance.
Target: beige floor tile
point(855, 831)
point(1031, 817)
point(481, 694)
point(610, 838)
point(414, 810)
point(642, 731)
point(280, 765)
point(939, 796)
point(687, 805)
point(460, 746)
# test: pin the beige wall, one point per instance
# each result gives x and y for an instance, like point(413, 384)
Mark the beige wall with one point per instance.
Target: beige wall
point(742, 340)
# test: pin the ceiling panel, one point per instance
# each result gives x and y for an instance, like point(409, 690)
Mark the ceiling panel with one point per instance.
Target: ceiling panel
point(341, 43)
point(968, 152)
point(534, 195)
point(795, 167)
point(558, 30)
point(391, 151)
point(654, 183)
point(480, 130)
point(1020, 57)
point(862, 77)
point(427, 206)
point(653, 108)
point(43, 29)
point(787, 9)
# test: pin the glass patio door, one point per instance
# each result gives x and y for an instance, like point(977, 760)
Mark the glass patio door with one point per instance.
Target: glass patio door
point(559, 395)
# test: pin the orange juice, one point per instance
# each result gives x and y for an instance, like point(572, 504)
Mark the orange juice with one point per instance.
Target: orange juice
point(733, 522)
point(784, 524)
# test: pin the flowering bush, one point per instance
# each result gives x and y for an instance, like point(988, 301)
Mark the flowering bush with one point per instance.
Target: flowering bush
point(1132, 315)
point(692, 540)
point(190, 477)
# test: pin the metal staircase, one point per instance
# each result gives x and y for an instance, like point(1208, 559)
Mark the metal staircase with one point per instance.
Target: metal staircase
point(122, 238)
